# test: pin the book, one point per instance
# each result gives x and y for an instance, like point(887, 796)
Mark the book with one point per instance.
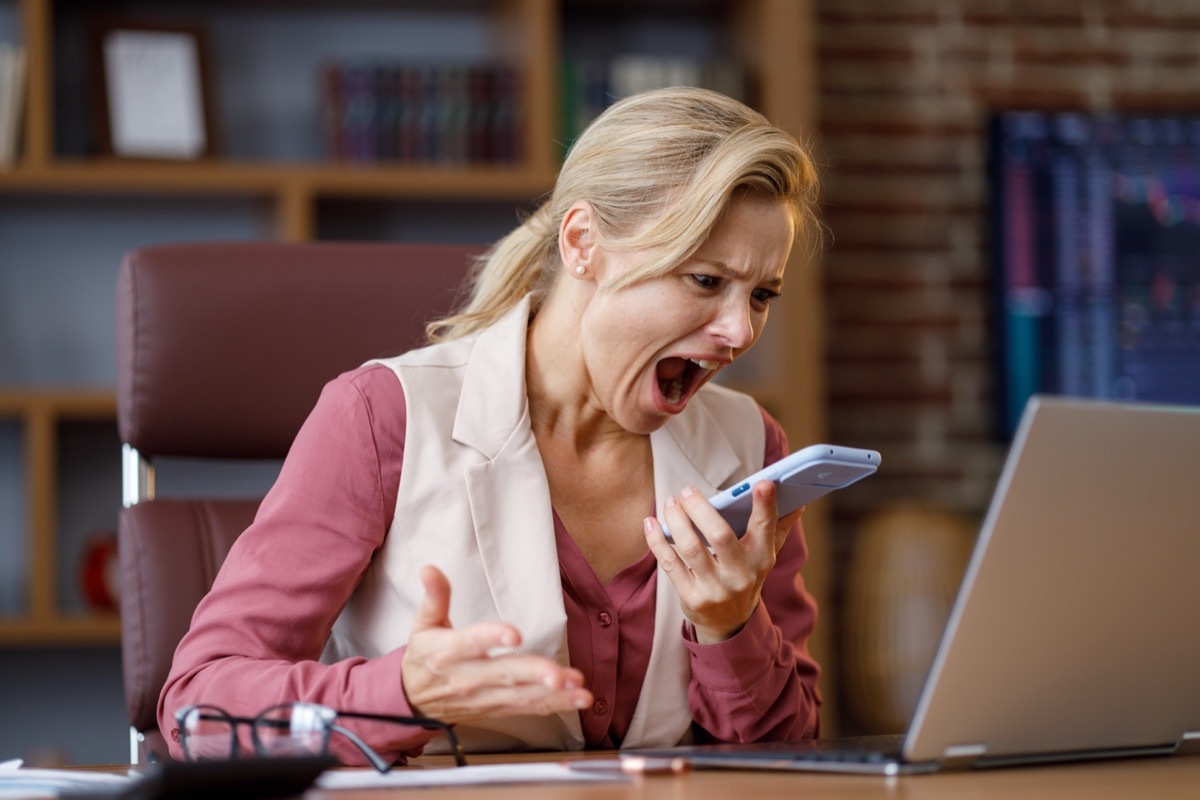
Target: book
point(422, 112)
point(588, 86)
point(12, 101)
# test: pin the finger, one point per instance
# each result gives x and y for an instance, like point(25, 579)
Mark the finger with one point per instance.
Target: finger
point(688, 543)
point(490, 702)
point(469, 684)
point(668, 560)
point(762, 528)
point(434, 615)
point(435, 605)
point(517, 669)
point(563, 678)
point(720, 537)
point(447, 646)
point(523, 700)
point(786, 523)
point(436, 659)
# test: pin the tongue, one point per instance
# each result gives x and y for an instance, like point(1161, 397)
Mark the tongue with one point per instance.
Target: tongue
point(670, 369)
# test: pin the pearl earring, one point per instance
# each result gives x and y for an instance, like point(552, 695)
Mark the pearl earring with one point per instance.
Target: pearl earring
point(579, 270)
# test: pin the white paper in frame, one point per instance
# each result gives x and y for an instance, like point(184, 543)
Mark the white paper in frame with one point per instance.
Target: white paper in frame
point(155, 94)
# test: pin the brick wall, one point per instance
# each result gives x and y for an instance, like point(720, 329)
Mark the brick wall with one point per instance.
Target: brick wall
point(905, 90)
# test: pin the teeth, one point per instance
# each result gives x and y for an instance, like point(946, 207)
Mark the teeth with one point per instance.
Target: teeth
point(673, 389)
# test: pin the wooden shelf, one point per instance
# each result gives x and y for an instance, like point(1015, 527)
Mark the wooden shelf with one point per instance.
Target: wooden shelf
point(40, 414)
point(231, 178)
point(59, 630)
point(58, 403)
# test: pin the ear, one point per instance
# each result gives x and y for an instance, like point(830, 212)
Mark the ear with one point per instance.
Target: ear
point(577, 240)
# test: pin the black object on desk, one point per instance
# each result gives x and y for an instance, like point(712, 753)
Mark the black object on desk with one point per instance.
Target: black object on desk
point(240, 779)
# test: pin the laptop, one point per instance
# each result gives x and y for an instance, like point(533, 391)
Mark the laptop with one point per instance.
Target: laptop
point(1074, 634)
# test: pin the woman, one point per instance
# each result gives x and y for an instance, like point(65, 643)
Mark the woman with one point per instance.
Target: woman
point(470, 531)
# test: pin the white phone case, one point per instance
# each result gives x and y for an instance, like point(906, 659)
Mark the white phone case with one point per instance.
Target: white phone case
point(799, 478)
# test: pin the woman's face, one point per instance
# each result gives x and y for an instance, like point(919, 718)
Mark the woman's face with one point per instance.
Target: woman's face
point(649, 347)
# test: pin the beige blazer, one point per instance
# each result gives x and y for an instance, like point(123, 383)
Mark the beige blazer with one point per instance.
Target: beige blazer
point(474, 500)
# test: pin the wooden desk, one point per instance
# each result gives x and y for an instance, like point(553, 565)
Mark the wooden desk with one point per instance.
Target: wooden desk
point(1153, 778)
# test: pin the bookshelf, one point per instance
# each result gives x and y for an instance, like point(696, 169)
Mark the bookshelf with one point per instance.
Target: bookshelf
point(51, 161)
point(271, 178)
point(42, 419)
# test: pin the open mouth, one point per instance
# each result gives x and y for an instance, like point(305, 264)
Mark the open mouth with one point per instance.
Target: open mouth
point(678, 378)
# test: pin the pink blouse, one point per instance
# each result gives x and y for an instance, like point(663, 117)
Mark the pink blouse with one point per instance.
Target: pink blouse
point(256, 638)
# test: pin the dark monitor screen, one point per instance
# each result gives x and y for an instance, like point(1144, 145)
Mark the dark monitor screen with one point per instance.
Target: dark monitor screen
point(1096, 252)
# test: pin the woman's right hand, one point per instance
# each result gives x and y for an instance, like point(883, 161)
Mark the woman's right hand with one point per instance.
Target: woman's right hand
point(458, 675)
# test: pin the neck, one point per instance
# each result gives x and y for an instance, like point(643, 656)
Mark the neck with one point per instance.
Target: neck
point(562, 408)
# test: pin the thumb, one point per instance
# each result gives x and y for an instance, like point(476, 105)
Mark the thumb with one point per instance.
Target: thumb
point(435, 607)
point(784, 527)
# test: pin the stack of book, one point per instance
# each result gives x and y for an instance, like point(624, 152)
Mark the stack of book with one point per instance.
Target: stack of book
point(591, 85)
point(12, 100)
point(422, 113)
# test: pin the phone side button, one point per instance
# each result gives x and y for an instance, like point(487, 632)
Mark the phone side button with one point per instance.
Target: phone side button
point(745, 487)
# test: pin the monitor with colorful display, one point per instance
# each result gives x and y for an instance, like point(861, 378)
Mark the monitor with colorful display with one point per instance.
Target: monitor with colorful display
point(1096, 252)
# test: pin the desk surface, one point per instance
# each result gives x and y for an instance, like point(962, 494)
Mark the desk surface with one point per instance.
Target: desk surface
point(1159, 778)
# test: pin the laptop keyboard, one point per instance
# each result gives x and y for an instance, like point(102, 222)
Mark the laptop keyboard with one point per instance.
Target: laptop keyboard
point(857, 749)
point(852, 749)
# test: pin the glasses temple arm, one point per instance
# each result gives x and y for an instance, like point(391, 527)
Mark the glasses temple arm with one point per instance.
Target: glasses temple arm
point(427, 723)
point(376, 760)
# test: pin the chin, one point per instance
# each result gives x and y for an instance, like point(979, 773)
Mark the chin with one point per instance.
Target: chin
point(645, 423)
point(655, 418)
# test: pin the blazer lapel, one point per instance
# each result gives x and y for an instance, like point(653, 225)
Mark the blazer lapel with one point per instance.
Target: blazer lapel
point(509, 496)
point(689, 451)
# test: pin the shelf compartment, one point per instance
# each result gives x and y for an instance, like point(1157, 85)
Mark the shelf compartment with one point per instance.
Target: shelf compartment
point(41, 415)
point(268, 95)
point(14, 544)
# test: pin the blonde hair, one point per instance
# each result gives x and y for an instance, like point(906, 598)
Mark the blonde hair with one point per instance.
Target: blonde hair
point(658, 169)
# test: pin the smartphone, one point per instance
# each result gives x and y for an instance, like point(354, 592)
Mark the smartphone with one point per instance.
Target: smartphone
point(799, 478)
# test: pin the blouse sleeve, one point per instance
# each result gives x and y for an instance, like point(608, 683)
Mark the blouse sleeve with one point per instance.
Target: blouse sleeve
point(761, 684)
point(257, 637)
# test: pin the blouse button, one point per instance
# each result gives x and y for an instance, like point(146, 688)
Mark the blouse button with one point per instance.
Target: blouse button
point(600, 707)
point(605, 619)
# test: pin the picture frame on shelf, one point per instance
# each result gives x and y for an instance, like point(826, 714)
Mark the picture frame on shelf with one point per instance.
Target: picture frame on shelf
point(154, 97)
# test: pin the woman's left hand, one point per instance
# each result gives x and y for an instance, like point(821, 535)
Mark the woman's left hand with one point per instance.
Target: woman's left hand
point(719, 585)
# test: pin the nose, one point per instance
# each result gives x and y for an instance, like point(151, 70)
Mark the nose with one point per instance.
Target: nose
point(734, 324)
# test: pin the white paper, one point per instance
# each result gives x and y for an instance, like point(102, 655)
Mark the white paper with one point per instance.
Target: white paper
point(155, 100)
point(17, 782)
point(539, 772)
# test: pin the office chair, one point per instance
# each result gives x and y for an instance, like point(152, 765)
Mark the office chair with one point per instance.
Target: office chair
point(222, 350)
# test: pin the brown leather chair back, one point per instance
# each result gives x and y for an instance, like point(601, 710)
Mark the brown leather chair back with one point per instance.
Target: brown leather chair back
point(222, 350)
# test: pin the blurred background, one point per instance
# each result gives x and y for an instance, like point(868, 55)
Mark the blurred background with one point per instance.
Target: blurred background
point(1012, 191)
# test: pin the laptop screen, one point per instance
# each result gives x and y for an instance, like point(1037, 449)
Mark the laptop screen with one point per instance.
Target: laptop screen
point(1074, 630)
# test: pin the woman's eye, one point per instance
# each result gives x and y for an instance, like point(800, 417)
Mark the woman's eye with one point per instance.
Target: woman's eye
point(707, 281)
point(764, 296)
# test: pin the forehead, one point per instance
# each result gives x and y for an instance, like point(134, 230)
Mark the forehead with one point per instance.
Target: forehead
point(752, 238)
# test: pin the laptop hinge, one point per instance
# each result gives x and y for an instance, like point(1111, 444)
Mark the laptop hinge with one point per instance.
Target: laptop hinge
point(962, 756)
point(1189, 744)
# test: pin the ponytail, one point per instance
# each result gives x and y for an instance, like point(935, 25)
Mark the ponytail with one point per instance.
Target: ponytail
point(519, 264)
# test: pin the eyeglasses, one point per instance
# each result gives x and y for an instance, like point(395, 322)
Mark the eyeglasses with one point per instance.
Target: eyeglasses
point(207, 733)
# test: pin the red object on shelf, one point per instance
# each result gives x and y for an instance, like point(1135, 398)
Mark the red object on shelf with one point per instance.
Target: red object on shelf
point(99, 572)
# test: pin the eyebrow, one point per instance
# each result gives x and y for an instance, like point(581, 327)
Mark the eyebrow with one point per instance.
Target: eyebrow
point(775, 284)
